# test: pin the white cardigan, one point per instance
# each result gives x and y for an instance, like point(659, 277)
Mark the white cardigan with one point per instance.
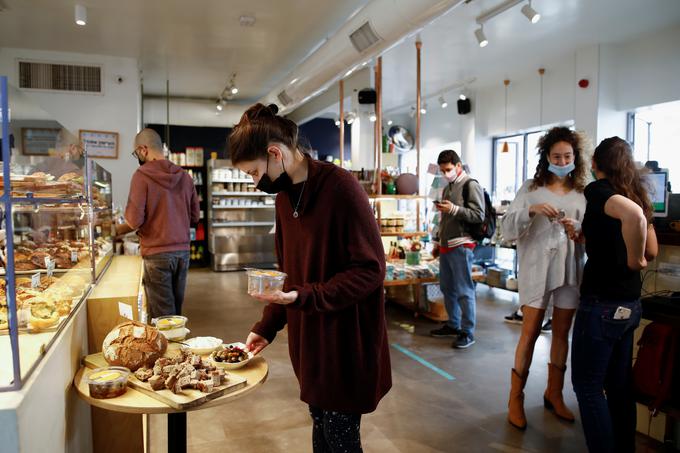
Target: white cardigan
point(548, 259)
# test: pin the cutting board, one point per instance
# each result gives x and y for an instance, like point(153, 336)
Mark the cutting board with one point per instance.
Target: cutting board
point(187, 399)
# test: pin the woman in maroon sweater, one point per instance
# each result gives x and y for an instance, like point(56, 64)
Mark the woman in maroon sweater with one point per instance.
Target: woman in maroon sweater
point(328, 243)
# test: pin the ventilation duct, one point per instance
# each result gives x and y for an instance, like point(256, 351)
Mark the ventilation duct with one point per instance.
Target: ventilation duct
point(364, 37)
point(60, 77)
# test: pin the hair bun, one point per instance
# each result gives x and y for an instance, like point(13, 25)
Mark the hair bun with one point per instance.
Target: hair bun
point(273, 108)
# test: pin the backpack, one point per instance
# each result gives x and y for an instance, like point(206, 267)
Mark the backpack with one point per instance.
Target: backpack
point(486, 229)
point(655, 363)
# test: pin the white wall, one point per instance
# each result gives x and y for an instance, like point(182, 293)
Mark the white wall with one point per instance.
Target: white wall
point(191, 113)
point(622, 77)
point(116, 109)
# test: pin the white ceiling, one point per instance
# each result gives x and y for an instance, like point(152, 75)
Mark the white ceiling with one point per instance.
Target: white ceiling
point(195, 44)
point(451, 54)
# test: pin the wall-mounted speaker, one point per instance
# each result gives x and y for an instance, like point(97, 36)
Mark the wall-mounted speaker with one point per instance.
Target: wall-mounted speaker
point(464, 106)
point(367, 96)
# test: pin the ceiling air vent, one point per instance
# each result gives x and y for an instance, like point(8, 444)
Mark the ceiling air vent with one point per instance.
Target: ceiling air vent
point(60, 77)
point(284, 98)
point(364, 37)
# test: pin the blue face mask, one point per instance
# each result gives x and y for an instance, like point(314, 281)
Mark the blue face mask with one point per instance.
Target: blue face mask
point(592, 172)
point(561, 171)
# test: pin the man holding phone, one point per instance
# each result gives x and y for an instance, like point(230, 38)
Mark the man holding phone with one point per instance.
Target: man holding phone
point(462, 204)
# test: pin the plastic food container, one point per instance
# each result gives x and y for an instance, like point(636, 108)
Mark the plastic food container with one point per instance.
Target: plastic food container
point(108, 382)
point(413, 258)
point(265, 281)
point(173, 327)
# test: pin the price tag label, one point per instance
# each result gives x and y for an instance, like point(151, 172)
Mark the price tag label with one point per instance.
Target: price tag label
point(98, 229)
point(125, 310)
point(74, 256)
point(50, 267)
point(35, 280)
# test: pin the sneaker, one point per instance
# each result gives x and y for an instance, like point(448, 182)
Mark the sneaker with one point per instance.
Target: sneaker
point(444, 332)
point(514, 318)
point(547, 327)
point(464, 341)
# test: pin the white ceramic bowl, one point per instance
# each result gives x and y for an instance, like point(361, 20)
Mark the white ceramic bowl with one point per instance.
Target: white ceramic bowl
point(202, 345)
point(232, 366)
point(176, 334)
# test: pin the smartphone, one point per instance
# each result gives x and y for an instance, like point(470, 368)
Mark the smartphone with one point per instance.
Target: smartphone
point(622, 313)
point(437, 202)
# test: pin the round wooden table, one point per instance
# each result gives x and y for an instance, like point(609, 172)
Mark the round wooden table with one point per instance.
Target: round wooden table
point(135, 402)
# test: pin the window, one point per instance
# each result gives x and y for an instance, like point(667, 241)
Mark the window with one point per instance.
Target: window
point(512, 168)
point(654, 134)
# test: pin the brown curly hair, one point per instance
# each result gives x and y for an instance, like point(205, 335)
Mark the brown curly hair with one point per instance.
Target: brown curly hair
point(614, 157)
point(577, 178)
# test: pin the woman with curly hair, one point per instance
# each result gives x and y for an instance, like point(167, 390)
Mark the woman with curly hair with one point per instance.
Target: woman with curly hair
point(550, 265)
point(620, 240)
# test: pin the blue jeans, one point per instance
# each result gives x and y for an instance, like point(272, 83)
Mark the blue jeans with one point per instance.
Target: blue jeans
point(165, 279)
point(602, 373)
point(455, 281)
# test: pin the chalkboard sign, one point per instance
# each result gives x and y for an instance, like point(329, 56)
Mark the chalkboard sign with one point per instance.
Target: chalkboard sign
point(38, 141)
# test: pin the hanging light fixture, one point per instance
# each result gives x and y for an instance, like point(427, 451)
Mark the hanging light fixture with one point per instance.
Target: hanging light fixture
point(350, 117)
point(219, 105)
point(81, 15)
point(372, 117)
point(506, 147)
point(481, 37)
point(423, 108)
point(337, 121)
point(530, 13)
point(541, 72)
point(443, 102)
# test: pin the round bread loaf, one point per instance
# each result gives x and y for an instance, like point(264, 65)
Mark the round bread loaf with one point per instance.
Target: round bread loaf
point(134, 345)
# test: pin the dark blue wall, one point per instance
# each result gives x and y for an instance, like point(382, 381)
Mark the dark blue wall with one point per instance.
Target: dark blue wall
point(324, 136)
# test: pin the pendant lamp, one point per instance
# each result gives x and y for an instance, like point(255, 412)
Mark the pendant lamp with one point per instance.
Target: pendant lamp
point(506, 147)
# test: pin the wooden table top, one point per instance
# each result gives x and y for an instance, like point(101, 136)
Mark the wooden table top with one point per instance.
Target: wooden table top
point(135, 402)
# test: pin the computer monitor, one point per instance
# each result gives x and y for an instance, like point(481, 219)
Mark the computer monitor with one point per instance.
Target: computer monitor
point(656, 184)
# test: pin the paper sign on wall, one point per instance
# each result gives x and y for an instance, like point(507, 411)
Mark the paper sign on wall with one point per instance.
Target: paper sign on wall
point(125, 310)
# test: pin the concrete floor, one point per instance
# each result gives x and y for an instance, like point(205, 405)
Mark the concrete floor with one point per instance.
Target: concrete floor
point(423, 413)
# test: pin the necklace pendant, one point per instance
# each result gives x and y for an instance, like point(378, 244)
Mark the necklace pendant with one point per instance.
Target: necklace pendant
point(295, 214)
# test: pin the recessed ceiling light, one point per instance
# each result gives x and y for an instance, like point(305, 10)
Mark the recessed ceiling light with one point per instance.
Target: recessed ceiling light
point(81, 15)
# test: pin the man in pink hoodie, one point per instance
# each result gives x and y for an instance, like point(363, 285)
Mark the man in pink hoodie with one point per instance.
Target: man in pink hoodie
point(161, 206)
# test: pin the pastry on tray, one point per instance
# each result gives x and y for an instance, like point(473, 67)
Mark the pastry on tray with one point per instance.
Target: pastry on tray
point(43, 315)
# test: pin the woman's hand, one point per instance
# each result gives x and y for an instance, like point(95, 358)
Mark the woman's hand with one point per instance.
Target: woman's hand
point(279, 297)
point(445, 206)
point(545, 209)
point(573, 229)
point(256, 343)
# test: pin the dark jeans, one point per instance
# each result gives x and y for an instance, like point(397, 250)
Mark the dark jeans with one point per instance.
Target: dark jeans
point(165, 278)
point(601, 372)
point(335, 432)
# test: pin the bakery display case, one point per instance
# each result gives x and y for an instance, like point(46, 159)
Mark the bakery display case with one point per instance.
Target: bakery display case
point(240, 220)
point(56, 215)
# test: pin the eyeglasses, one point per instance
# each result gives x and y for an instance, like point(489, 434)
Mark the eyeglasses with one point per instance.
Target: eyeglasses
point(134, 153)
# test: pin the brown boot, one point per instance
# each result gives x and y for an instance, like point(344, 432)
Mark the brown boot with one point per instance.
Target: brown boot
point(516, 415)
point(552, 398)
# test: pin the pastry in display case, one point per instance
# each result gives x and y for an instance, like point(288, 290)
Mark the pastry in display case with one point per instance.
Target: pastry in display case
point(56, 226)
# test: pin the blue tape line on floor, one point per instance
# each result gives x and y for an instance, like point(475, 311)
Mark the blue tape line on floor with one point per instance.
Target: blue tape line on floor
point(423, 362)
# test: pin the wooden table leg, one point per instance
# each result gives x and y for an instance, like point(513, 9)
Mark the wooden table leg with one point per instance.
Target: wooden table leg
point(177, 432)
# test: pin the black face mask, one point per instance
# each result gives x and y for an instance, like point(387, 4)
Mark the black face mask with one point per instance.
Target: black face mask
point(283, 182)
point(141, 162)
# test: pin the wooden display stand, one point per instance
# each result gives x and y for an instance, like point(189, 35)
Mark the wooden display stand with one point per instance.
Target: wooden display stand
point(120, 285)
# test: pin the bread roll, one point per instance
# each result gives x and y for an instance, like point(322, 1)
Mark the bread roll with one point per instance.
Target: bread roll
point(134, 345)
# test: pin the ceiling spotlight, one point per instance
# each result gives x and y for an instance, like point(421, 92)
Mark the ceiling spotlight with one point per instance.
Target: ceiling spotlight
point(234, 90)
point(413, 111)
point(294, 81)
point(481, 37)
point(531, 13)
point(337, 122)
point(220, 105)
point(389, 122)
point(81, 15)
point(462, 97)
point(350, 117)
point(443, 102)
point(423, 108)
point(372, 117)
